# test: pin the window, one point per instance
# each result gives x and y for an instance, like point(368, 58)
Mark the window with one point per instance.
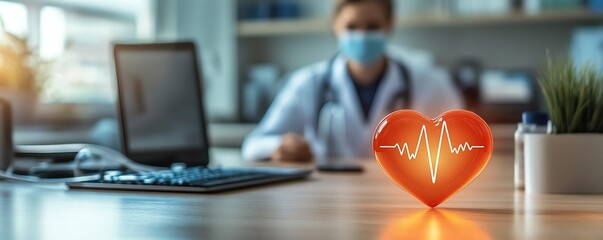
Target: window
point(75, 36)
point(79, 45)
point(13, 18)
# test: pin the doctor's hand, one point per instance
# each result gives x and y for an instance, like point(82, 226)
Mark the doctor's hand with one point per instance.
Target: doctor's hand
point(293, 148)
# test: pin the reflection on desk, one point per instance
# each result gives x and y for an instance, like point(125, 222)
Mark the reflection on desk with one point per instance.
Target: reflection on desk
point(328, 206)
point(433, 224)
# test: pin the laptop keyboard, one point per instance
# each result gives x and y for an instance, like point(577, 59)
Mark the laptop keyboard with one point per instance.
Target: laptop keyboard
point(191, 177)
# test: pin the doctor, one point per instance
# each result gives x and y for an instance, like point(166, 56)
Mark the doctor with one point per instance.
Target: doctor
point(330, 109)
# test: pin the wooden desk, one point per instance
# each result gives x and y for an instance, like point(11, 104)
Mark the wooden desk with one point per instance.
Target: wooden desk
point(328, 206)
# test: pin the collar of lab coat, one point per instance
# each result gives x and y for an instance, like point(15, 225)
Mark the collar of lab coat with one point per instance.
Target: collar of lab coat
point(389, 86)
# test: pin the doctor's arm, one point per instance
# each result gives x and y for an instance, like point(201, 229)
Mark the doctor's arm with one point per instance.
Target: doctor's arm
point(280, 133)
point(437, 93)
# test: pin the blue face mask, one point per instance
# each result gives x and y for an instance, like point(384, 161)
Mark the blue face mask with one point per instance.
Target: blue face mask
point(362, 47)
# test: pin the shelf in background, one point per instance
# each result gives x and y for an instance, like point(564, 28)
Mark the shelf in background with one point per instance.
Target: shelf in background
point(259, 28)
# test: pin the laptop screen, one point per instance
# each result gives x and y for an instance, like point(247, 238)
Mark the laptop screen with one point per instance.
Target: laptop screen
point(160, 103)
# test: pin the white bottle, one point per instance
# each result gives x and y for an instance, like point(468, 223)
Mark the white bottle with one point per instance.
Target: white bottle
point(519, 157)
point(532, 122)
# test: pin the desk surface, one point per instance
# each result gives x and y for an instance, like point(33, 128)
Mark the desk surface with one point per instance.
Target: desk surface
point(328, 206)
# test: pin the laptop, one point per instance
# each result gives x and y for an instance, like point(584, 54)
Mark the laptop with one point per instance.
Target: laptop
point(162, 123)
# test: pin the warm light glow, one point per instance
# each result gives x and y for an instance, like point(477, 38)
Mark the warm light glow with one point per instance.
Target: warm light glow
point(433, 170)
point(414, 151)
point(433, 224)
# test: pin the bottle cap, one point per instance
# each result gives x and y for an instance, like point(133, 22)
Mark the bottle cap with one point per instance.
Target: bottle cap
point(538, 118)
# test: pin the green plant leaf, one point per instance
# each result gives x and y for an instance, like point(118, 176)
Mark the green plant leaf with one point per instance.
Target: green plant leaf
point(574, 96)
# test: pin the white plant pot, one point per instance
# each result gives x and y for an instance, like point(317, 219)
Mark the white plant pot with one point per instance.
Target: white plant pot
point(564, 163)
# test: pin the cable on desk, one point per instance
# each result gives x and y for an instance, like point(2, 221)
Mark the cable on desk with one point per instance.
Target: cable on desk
point(87, 151)
point(90, 151)
point(33, 179)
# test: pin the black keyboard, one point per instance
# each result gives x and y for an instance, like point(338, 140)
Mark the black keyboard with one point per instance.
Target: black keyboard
point(197, 179)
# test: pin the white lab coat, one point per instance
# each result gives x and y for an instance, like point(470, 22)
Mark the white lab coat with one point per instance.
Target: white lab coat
point(295, 108)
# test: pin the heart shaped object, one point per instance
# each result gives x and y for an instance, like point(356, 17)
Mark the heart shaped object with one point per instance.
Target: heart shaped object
point(432, 159)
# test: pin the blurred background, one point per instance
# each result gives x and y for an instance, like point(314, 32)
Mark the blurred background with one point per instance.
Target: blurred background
point(56, 62)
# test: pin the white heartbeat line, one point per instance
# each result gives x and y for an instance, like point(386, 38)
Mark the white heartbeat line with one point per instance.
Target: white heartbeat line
point(462, 147)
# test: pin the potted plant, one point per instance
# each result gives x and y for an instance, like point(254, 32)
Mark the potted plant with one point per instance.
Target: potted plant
point(569, 159)
point(22, 74)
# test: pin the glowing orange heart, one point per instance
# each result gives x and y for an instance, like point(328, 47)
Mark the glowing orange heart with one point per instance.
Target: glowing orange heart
point(432, 159)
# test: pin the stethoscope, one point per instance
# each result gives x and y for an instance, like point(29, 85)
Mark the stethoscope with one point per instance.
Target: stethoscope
point(331, 114)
